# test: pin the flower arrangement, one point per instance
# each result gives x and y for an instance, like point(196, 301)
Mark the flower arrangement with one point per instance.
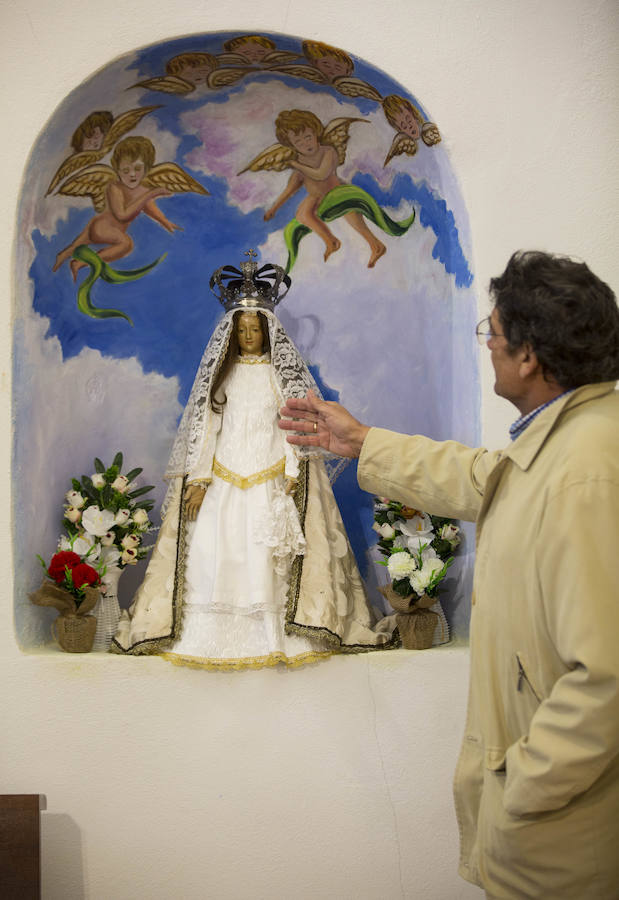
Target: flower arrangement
point(104, 519)
point(67, 570)
point(72, 587)
point(417, 547)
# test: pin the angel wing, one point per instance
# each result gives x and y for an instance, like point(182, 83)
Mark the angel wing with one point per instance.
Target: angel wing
point(226, 76)
point(72, 164)
point(173, 178)
point(401, 143)
point(275, 158)
point(301, 71)
point(231, 59)
point(90, 182)
point(337, 133)
point(125, 122)
point(168, 84)
point(430, 134)
point(120, 126)
point(355, 87)
point(277, 57)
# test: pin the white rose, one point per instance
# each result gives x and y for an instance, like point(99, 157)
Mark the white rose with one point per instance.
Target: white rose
point(386, 531)
point(450, 533)
point(108, 538)
point(130, 541)
point(97, 521)
point(98, 480)
point(129, 557)
point(75, 499)
point(140, 517)
point(120, 484)
point(401, 565)
point(72, 514)
point(122, 517)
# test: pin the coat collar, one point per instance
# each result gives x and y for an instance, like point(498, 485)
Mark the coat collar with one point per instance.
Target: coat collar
point(526, 447)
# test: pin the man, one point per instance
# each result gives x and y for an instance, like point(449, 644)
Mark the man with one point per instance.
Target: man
point(537, 783)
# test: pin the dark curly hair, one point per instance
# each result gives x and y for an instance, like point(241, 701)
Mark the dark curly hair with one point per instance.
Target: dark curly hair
point(565, 313)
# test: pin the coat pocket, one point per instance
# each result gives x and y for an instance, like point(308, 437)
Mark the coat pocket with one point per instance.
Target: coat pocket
point(524, 681)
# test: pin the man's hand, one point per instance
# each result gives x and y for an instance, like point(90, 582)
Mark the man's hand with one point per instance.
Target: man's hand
point(194, 495)
point(323, 424)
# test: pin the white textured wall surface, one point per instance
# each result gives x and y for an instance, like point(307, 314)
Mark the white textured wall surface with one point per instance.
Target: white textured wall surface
point(332, 781)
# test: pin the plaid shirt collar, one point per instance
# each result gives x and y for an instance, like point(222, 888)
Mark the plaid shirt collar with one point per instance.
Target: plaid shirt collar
point(523, 422)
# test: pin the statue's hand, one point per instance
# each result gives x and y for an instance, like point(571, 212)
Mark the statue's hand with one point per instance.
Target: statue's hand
point(194, 495)
point(290, 485)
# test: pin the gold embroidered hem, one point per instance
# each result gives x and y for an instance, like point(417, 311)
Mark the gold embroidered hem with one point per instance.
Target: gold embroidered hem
point(245, 482)
point(251, 662)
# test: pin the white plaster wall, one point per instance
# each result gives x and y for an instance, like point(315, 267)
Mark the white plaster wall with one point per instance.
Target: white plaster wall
point(331, 781)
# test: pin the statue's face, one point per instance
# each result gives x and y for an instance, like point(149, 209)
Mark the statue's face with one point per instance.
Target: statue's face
point(249, 333)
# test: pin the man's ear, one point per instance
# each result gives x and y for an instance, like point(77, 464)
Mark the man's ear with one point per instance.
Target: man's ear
point(529, 363)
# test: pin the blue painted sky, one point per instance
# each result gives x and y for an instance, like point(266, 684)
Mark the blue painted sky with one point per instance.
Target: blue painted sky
point(380, 339)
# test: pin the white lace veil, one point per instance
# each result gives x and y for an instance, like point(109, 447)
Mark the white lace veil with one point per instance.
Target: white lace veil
point(292, 376)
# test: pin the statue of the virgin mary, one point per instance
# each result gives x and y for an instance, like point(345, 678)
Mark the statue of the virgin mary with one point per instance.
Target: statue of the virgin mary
point(252, 566)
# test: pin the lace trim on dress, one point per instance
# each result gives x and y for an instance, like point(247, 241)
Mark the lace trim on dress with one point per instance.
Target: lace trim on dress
point(245, 482)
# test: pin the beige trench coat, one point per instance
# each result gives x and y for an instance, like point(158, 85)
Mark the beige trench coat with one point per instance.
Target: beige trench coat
point(537, 783)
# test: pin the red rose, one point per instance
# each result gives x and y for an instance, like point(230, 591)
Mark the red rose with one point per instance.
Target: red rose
point(83, 574)
point(60, 561)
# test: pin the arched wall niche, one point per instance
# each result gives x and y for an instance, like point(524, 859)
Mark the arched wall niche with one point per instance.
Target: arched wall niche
point(385, 321)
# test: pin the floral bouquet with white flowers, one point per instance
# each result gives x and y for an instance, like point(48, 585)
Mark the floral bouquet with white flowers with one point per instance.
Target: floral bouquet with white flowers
point(104, 518)
point(418, 550)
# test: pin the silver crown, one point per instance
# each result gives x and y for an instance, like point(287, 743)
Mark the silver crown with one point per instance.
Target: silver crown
point(249, 286)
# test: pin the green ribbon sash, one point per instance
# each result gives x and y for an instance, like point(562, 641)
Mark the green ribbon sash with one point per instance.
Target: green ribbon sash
point(100, 269)
point(340, 200)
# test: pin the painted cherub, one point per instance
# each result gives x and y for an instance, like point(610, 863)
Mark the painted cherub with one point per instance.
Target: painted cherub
point(188, 72)
point(121, 192)
point(314, 152)
point(332, 66)
point(95, 137)
point(410, 126)
point(254, 50)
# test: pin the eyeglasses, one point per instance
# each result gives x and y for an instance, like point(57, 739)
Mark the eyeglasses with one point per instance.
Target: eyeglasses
point(484, 331)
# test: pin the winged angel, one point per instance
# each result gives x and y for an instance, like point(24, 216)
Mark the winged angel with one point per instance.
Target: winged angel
point(314, 152)
point(187, 72)
point(332, 66)
point(95, 137)
point(409, 125)
point(120, 192)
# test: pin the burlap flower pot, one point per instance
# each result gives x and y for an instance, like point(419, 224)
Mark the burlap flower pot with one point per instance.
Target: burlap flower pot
point(73, 630)
point(75, 634)
point(416, 623)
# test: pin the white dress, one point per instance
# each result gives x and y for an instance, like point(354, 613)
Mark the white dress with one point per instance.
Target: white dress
point(245, 537)
point(259, 578)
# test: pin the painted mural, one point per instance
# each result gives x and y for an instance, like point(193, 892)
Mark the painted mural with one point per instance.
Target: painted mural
point(171, 162)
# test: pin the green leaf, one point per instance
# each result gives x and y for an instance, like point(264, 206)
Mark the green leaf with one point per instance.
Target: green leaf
point(402, 587)
point(106, 495)
point(99, 467)
point(118, 460)
point(133, 474)
point(112, 472)
point(76, 485)
point(140, 491)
